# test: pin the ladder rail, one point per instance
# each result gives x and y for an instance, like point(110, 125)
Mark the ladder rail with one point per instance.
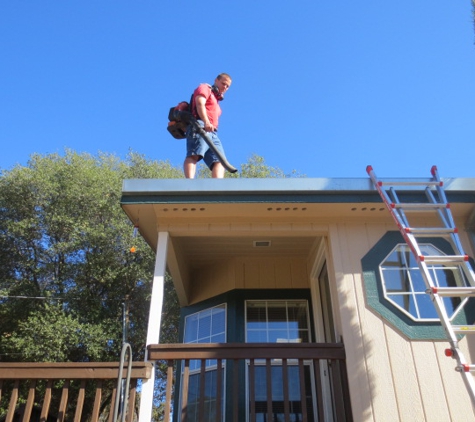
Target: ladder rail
point(443, 213)
point(400, 210)
point(447, 215)
point(437, 202)
point(400, 220)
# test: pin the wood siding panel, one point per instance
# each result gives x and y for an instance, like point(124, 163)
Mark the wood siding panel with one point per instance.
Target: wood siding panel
point(300, 275)
point(458, 399)
point(359, 239)
point(377, 350)
point(283, 274)
point(239, 273)
point(213, 280)
point(267, 274)
point(248, 273)
point(430, 384)
point(404, 377)
point(346, 305)
point(391, 378)
point(251, 275)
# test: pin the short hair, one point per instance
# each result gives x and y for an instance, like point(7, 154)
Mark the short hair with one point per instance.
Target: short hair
point(224, 75)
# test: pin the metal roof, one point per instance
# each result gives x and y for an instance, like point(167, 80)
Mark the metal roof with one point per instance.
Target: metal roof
point(339, 190)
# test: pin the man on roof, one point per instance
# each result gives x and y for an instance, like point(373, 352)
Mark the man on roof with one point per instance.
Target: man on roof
point(206, 109)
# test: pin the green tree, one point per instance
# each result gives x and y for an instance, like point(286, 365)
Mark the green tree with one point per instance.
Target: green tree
point(255, 167)
point(65, 241)
point(473, 11)
point(66, 270)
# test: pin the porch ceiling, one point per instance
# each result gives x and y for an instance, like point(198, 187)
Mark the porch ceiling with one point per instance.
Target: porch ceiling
point(188, 255)
point(201, 251)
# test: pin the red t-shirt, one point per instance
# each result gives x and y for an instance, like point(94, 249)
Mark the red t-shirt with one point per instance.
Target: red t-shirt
point(212, 106)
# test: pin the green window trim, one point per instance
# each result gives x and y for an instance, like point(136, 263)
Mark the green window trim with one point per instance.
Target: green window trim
point(235, 301)
point(414, 330)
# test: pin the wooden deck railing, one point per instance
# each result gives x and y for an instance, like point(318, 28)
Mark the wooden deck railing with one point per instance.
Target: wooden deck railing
point(21, 384)
point(284, 381)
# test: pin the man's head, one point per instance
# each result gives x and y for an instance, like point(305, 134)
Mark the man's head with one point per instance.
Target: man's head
point(222, 82)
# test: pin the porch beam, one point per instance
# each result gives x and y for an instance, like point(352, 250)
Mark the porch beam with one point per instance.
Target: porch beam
point(246, 351)
point(154, 322)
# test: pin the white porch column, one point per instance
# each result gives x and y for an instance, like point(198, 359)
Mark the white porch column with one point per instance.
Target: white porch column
point(154, 321)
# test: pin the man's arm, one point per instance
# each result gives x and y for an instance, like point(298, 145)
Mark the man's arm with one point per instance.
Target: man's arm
point(200, 103)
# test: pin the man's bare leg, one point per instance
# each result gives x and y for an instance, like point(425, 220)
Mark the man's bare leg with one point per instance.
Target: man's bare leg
point(189, 166)
point(218, 171)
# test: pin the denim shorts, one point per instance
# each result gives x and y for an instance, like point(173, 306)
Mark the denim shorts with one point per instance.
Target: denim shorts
point(196, 145)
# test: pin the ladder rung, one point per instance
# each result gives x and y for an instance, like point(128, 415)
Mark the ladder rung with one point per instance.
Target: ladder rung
point(431, 230)
point(464, 329)
point(443, 259)
point(420, 207)
point(452, 291)
point(465, 368)
point(409, 183)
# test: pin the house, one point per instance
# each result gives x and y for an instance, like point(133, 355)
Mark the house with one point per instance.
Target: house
point(310, 282)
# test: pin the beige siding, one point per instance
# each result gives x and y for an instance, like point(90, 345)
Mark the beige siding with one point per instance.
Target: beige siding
point(391, 378)
point(404, 377)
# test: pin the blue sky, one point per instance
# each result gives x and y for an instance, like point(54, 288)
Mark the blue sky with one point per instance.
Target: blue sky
point(321, 87)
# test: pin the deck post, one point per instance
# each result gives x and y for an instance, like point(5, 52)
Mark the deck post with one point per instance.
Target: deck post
point(154, 321)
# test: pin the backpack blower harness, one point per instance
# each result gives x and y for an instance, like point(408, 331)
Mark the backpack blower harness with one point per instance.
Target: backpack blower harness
point(180, 117)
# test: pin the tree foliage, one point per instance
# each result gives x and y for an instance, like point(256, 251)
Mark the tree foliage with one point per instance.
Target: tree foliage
point(65, 265)
point(67, 275)
point(473, 12)
point(256, 167)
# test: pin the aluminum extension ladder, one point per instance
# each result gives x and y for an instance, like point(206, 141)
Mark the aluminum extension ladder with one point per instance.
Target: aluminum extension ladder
point(436, 203)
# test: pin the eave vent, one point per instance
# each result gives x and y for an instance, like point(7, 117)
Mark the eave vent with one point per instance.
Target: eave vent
point(262, 243)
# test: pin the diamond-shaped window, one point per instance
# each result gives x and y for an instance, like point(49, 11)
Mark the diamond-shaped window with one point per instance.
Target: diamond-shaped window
point(404, 285)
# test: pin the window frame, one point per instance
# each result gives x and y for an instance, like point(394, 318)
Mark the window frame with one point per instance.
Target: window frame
point(211, 364)
point(269, 330)
point(235, 330)
point(408, 270)
point(377, 302)
point(261, 364)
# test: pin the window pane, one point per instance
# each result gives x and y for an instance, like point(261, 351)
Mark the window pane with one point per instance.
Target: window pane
point(257, 315)
point(418, 283)
point(426, 307)
point(204, 328)
point(219, 321)
point(209, 397)
point(452, 303)
point(257, 336)
point(430, 250)
point(303, 336)
point(404, 285)
point(277, 321)
point(298, 314)
point(191, 328)
point(276, 336)
point(449, 277)
point(396, 280)
point(294, 398)
point(283, 322)
point(405, 302)
point(277, 315)
point(219, 338)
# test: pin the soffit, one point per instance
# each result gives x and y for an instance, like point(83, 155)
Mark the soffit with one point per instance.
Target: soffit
point(193, 207)
point(201, 251)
